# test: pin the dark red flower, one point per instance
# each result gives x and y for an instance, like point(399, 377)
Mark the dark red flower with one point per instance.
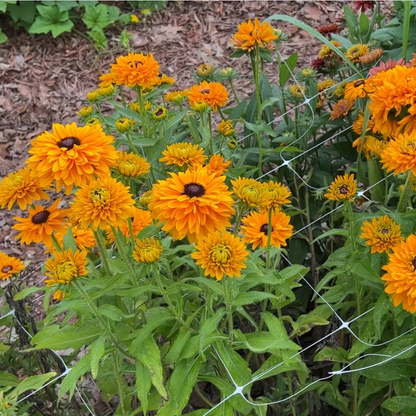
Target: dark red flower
point(326, 30)
point(318, 64)
point(360, 5)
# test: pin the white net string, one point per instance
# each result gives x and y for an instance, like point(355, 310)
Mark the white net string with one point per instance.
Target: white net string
point(239, 390)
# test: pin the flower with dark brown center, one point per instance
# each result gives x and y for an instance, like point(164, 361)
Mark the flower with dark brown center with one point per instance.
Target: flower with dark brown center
point(343, 190)
point(384, 231)
point(194, 190)
point(41, 217)
point(69, 142)
point(265, 229)
point(6, 269)
point(414, 263)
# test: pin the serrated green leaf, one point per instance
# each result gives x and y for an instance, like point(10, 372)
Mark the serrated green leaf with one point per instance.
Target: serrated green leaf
point(77, 371)
point(278, 331)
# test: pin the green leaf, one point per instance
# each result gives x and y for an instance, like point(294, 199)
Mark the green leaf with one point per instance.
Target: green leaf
point(33, 382)
point(213, 285)
point(99, 38)
point(209, 326)
point(262, 128)
point(278, 331)
point(174, 353)
point(251, 297)
point(147, 232)
point(57, 338)
point(335, 231)
point(77, 371)
point(366, 272)
point(381, 309)
point(51, 19)
point(8, 379)
point(97, 351)
point(143, 384)
point(286, 68)
point(364, 24)
point(111, 312)
point(149, 355)
point(96, 17)
point(399, 403)
point(3, 37)
point(4, 3)
point(25, 292)
point(351, 20)
point(69, 241)
point(24, 12)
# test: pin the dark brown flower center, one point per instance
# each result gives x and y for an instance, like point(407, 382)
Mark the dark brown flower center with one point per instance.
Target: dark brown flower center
point(205, 91)
point(159, 112)
point(194, 189)
point(6, 269)
point(414, 263)
point(265, 229)
point(343, 190)
point(41, 217)
point(358, 83)
point(384, 231)
point(69, 142)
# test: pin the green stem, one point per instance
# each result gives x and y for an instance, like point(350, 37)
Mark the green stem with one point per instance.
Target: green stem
point(56, 243)
point(406, 27)
point(201, 395)
point(237, 100)
point(269, 238)
point(100, 319)
point(227, 296)
point(143, 112)
point(210, 132)
point(351, 218)
point(119, 383)
point(240, 211)
point(132, 146)
point(102, 120)
point(405, 195)
point(103, 252)
point(256, 72)
point(289, 384)
point(121, 249)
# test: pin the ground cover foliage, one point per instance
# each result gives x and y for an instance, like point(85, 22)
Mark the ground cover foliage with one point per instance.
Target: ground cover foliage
point(208, 258)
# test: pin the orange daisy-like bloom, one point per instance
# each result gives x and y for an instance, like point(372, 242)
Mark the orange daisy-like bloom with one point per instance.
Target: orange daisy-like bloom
point(72, 155)
point(399, 155)
point(84, 237)
point(192, 203)
point(41, 223)
point(65, 266)
point(164, 79)
point(106, 80)
point(382, 234)
point(324, 85)
point(213, 94)
point(9, 266)
point(358, 124)
point(373, 147)
point(147, 251)
point(356, 52)
point(341, 108)
point(218, 165)
point(401, 274)
point(136, 69)
point(145, 199)
point(177, 97)
point(22, 187)
point(393, 107)
point(252, 192)
point(132, 165)
point(226, 128)
point(256, 227)
point(342, 188)
point(101, 203)
point(140, 219)
point(354, 90)
point(59, 295)
point(278, 194)
point(221, 254)
point(183, 153)
point(251, 34)
point(371, 56)
point(327, 52)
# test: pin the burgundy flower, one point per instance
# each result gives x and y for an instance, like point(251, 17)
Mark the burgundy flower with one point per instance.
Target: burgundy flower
point(326, 30)
point(362, 6)
point(318, 64)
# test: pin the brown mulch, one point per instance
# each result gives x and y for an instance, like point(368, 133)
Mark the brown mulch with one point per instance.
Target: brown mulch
point(45, 80)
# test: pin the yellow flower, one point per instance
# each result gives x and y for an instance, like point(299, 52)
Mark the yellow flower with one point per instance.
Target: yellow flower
point(200, 106)
point(183, 153)
point(146, 12)
point(9, 266)
point(382, 234)
point(86, 111)
point(84, 238)
point(399, 155)
point(354, 90)
point(340, 90)
point(226, 128)
point(221, 254)
point(358, 124)
point(177, 97)
point(160, 113)
point(93, 96)
point(41, 223)
point(135, 106)
point(140, 219)
point(252, 192)
point(148, 250)
point(217, 165)
point(59, 295)
point(65, 266)
point(204, 70)
point(296, 91)
point(124, 124)
point(135, 69)
point(21, 187)
point(356, 52)
point(212, 93)
point(72, 155)
point(342, 188)
point(100, 203)
point(93, 122)
point(163, 79)
point(327, 52)
point(324, 85)
point(106, 80)
point(251, 34)
point(132, 165)
point(106, 91)
point(134, 19)
point(401, 274)
point(145, 199)
point(341, 108)
point(373, 147)
point(192, 203)
point(278, 194)
point(256, 227)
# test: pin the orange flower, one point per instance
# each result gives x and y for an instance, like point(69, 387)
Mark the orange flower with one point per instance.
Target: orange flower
point(183, 153)
point(399, 155)
point(401, 274)
point(218, 165)
point(9, 266)
point(342, 188)
point(41, 223)
point(192, 203)
point(213, 94)
point(382, 234)
point(251, 34)
point(341, 108)
point(72, 155)
point(136, 69)
point(354, 90)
